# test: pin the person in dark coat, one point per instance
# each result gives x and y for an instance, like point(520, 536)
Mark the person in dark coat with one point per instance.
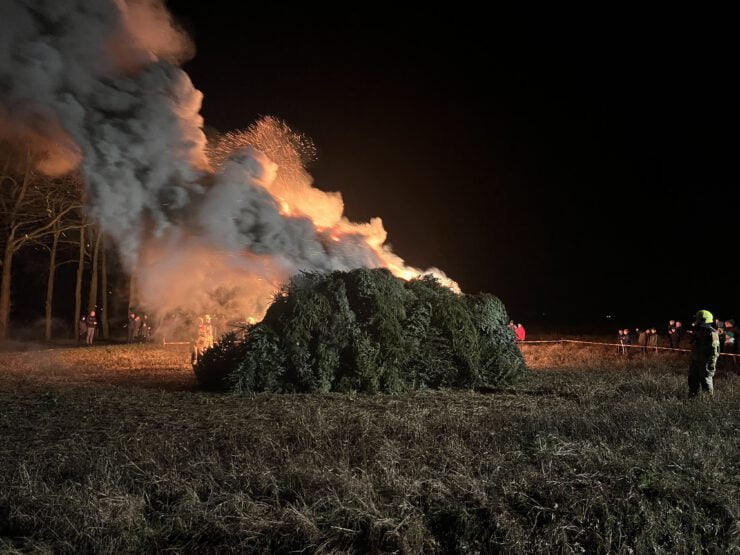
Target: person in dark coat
point(642, 338)
point(131, 322)
point(679, 334)
point(652, 340)
point(145, 329)
point(672, 334)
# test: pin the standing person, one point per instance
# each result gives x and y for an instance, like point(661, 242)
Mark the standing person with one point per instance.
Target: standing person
point(648, 335)
point(144, 329)
point(622, 338)
point(627, 337)
point(131, 322)
point(92, 323)
point(719, 325)
point(704, 355)
point(642, 337)
point(672, 333)
point(627, 341)
point(209, 331)
point(653, 340)
point(521, 333)
point(137, 327)
point(679, 334)
point(512, 326)
point(731, 329)
point(199, 343)
point(730, 346)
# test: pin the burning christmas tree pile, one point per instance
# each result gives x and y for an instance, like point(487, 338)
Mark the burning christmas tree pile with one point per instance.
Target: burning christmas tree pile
point(366, 330)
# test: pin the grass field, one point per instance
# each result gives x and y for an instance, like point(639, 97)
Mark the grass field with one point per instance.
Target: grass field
point(114, 449)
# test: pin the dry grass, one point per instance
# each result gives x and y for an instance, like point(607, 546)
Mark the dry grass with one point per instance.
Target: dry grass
point(134, 365)
point(113, 449)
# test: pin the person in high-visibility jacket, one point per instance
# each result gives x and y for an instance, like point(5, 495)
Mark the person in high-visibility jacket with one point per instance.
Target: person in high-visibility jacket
point(704, 355)
point(199, 342)
point(209, 331)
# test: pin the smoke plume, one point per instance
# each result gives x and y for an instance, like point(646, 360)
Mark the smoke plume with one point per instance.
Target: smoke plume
point(202, 230)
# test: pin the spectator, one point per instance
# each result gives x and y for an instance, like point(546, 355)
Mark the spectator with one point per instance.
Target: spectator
point(719, 325)
point(145, 329)
point(91, 322)
point(627, 337)
point(731, 346)
point(679, 334)
point(622, 338)
point(131, 322)
point(672, 334)
point(521, 333)
point(83, 327)
point(652, 339)
point(642, 338)
point(137, 328)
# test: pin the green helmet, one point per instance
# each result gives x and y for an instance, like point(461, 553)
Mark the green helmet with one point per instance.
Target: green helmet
point(704, 317)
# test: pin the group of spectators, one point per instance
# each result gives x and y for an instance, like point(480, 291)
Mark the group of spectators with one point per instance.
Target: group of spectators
point(675, 333)
point(139, 328)
point(646, 338)
point(519, 331)
point(728, 336)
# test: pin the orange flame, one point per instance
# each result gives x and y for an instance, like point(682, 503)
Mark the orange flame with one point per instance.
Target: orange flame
point(180, 273)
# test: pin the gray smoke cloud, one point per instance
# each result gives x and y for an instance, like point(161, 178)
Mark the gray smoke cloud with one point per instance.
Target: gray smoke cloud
point(99, 79)
point(132, 116)
point(239, 213)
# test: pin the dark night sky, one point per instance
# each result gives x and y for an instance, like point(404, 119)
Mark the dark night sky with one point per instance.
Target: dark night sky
point(572, 172)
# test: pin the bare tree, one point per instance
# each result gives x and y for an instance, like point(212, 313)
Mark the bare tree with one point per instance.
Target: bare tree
point(104, 285)
point(28, 213)
point(67, 193)
point(50, 284)
point(92, 298)
point(78, 282)
point(132, 296)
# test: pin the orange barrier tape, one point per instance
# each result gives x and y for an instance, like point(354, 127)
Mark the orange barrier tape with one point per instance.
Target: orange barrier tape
point(542, 341)
point(165, 342)
point(643, 347)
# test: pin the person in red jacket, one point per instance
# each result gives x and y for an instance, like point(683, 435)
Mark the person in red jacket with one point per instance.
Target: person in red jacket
point(521, 333)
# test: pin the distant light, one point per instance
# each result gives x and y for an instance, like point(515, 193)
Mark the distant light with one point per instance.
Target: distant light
point(608, 316)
